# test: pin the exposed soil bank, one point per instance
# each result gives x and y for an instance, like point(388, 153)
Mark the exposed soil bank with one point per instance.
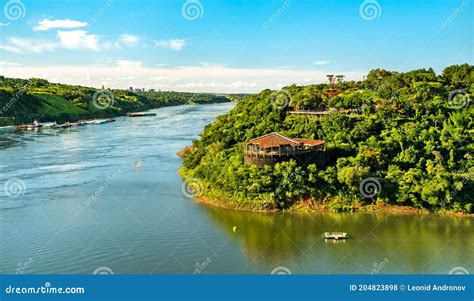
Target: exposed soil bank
point(308, 207)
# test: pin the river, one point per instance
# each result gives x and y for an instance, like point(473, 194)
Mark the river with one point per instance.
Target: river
point(108, 199)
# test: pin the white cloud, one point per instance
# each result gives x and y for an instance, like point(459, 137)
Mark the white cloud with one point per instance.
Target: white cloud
point(78, 39)
point(128, 64)
point(209, 65)
point(243, 84)
point(163, 78)
point(216, 79)
point(108, 45)
point(129, 40)
point(46, 24)
point(175, 44)
point(322, 62)
point(6, 63)
point(11, 49)
point(21, 45)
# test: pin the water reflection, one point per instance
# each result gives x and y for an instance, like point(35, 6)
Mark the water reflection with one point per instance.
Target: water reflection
point(410, 243)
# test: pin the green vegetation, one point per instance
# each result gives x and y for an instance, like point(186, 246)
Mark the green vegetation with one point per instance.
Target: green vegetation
point(22, 101)
point(410, 132)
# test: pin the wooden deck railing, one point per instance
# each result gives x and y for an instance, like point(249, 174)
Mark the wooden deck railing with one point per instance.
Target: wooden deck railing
point(279, 154)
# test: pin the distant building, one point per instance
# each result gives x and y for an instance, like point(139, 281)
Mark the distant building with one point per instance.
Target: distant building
point(272, 148)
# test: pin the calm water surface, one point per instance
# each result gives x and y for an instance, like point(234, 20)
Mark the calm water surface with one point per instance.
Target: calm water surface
point(88, 204)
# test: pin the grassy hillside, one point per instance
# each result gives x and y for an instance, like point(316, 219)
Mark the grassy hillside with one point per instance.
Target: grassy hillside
point(54, 107)
point(411, 135)
point(22, 101)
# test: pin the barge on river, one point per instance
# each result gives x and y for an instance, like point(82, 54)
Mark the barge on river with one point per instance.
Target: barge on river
point(140, 114)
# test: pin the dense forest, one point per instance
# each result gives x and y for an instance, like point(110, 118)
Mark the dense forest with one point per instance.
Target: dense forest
point(410, 132)
point(22, 101)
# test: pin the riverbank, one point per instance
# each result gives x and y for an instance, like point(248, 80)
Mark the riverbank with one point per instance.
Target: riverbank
point(63, 115)
point(314, 208)
point(211, 197)
point(22, 101)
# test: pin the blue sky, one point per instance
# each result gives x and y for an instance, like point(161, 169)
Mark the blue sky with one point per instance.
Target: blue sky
point(228, 46)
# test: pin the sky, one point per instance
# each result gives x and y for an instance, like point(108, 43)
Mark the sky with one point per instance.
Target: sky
point(228, 46)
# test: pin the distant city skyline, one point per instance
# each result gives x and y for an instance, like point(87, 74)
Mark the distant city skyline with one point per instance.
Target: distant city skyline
point(228, 46)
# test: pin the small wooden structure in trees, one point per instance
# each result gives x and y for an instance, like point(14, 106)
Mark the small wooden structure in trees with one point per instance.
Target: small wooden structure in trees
point(273, 148)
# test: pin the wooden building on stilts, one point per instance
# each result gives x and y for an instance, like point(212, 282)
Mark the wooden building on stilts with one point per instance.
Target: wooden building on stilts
point(273, 148)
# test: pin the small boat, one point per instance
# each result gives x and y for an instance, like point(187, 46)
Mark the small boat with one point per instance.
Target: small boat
point(48, 125)
point(29, 127)
point(102, 121)
point(79, 123)
point(99, 121)
point(106, 121)
point(64, 125)
point(92, 121)
point(335, 235)
point(140, 114)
